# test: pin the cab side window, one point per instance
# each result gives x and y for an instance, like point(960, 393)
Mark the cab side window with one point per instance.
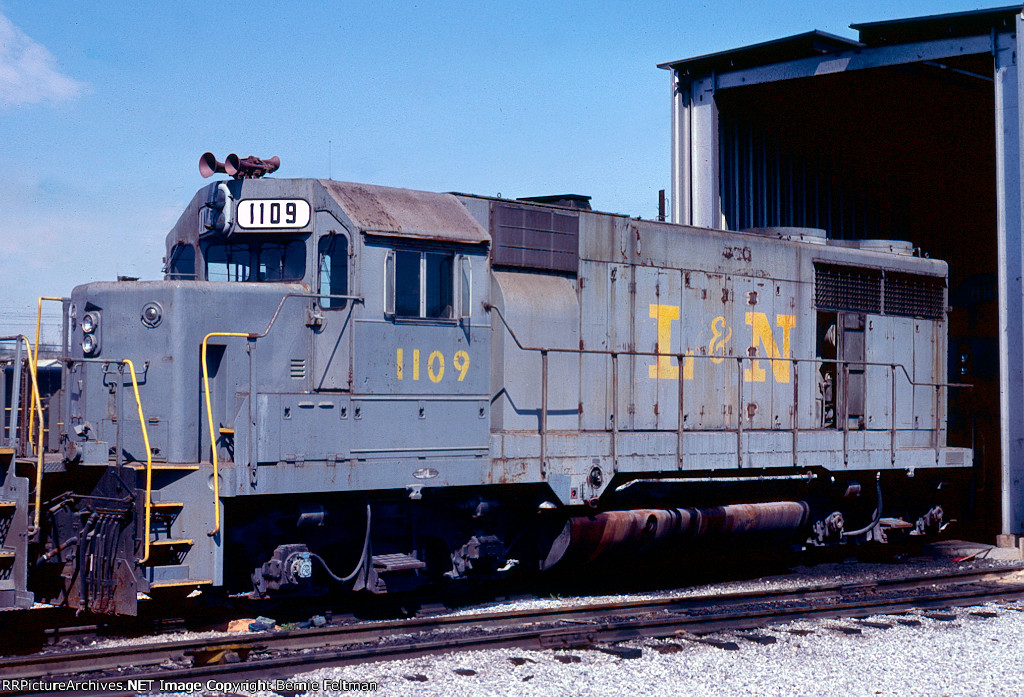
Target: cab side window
point(182, 264)
point(333, 270)
point(420, 284)
point(407, 284)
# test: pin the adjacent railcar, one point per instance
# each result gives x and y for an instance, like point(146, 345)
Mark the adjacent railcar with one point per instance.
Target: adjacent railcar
point(348, 386)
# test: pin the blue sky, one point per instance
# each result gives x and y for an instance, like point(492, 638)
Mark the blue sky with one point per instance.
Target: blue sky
point(105, 107)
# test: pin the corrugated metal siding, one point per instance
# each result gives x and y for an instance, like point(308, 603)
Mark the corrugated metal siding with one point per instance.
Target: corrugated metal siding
point(770, 180)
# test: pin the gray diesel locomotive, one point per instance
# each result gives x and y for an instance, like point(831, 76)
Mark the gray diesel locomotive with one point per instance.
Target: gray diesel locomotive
point(356, 387)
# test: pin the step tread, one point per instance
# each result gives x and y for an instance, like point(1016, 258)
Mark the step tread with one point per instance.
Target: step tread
point(170, 541)
point(397, 562)
point(180, 583)
point(163, 467)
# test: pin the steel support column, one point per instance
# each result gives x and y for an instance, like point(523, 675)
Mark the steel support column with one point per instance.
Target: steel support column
point(1009, 176)
point(695, 162)
point(680, 150)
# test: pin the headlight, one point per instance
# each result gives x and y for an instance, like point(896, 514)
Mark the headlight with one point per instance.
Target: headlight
point(88, 341)
point(89, 322)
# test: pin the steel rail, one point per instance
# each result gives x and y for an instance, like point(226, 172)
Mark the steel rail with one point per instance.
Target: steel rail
point(536, 628)
point(530, 636)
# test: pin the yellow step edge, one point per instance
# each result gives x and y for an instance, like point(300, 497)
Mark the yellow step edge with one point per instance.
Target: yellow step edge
point(181, 583)
point(227, 431)
point(8, 504)
point(6, 451)
point(161, 466)
point(170, 542)
point(6, 555)
point(167, 504)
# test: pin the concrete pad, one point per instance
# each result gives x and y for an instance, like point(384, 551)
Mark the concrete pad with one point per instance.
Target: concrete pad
point(964, 548)
point(1005, 554)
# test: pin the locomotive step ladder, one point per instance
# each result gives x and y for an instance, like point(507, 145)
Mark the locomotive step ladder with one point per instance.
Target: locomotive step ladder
point(167, 570)
point(14, 520)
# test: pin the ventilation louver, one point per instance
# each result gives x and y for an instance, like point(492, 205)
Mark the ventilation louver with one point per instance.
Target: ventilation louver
point(855, 289)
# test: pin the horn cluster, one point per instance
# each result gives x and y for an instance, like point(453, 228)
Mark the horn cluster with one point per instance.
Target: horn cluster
point(250, 167)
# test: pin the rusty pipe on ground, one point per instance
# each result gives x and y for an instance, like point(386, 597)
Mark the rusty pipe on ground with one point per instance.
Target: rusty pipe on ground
point(639, 531)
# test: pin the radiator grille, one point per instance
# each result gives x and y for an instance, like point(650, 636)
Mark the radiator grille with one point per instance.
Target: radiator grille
point(298, 368)
point(908, 295)
point(847, 288)
point(853, 289)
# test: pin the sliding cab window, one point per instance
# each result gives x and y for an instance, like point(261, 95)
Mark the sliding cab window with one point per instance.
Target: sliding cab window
point(426, 285)
point(332, 253)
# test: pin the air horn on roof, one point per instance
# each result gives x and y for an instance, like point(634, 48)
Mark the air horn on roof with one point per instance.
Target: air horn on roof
point(250, 167)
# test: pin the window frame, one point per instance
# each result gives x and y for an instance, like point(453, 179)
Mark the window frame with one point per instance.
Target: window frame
point(461, 284)
point(254, 249)
point(175, 257)
point(344, 303)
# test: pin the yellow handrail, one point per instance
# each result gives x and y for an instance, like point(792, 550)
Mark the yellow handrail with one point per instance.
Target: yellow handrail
point(213, 436)
point(35, 362)
point(149, 457)
point(39, 466)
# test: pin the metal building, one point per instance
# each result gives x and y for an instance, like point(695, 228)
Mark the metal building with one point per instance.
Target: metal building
point(913, 131)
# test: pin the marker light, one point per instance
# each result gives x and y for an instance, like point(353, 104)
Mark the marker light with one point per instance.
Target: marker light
point(152, 314)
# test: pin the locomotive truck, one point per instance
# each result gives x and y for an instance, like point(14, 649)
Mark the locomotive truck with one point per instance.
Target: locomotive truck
point(342, 386)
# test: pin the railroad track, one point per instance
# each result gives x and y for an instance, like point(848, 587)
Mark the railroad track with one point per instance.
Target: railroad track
point(280, 655)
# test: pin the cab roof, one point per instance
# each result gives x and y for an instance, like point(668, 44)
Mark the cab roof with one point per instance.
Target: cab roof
point(383, 210)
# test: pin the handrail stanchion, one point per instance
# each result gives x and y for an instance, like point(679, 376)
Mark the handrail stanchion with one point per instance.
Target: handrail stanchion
point(892, 427)
point(12, 429)
point(615, 412)
point(796, 407)
point(739, 412)
point(35, 362)
point(543, 412)
point(846, 413)
point(682, 403)
point(213, 435)
point(39, 467)
point(149, 458)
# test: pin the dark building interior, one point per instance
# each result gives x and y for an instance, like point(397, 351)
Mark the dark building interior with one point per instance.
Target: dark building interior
point(905, 152)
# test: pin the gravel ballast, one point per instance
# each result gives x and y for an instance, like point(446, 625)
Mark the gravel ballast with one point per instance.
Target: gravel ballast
point(974, 651)
point(971, 655)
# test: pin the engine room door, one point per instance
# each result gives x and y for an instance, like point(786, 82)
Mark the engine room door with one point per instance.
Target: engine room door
point(332, 328)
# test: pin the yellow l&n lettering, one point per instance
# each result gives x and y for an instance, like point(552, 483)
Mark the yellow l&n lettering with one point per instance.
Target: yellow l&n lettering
point(663, 369)
point(762, 334)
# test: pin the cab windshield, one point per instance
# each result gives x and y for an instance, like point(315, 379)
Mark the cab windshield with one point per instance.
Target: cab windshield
point(256, 261)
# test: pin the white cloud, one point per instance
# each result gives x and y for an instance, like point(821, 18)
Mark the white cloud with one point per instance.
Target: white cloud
point(28, 71)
